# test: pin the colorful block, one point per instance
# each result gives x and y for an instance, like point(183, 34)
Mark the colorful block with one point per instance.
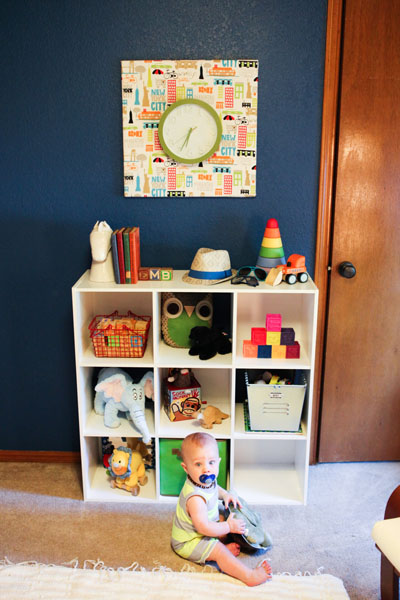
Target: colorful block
point(249, 349)
point(144, 274)
point(278, 352)
point(258, 335)
point(273, 322)
point(293, 351)
point(287, 336)
point(155, 274)
point(274, 338)
point(160, 274)
point(264, 351)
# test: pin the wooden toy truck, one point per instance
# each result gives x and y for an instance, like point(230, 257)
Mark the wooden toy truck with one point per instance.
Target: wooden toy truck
point(295, 269)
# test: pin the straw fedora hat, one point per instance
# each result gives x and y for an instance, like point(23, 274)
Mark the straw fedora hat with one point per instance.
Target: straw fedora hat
point(209, 267)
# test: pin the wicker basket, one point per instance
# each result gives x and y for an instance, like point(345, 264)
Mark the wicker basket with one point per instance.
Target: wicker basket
point(119, 336)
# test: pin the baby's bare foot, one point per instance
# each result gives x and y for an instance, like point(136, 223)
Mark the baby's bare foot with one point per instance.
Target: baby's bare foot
point(260, 574)
point(234, 548)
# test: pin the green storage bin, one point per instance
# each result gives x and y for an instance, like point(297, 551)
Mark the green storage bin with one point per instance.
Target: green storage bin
point(172, 476)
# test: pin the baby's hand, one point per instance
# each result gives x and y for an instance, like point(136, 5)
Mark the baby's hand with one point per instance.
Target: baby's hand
point(236, 525)
point(229, 498)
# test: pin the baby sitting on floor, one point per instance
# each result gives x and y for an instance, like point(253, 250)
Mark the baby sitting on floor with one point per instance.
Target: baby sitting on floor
point(197, 533)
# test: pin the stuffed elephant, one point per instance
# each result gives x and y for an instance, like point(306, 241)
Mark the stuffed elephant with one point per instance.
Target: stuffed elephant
point(115, 391)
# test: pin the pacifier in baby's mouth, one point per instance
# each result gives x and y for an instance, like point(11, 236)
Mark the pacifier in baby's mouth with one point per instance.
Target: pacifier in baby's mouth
point(206, 479)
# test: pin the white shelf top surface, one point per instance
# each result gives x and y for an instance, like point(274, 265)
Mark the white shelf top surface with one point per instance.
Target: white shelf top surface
point(178, 285)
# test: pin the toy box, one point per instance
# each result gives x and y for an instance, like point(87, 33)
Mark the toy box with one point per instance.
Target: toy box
point(172, 476)
point(181, 403)
point(276, 407)
point(119, 336)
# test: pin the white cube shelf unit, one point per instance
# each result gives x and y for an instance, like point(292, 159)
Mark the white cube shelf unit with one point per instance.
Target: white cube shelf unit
point(264, 467)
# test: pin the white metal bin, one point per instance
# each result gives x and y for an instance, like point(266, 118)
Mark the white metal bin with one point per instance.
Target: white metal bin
point(275, 407)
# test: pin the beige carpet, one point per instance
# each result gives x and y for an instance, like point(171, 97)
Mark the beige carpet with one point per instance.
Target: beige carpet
point(43, 518)
point(61, 583)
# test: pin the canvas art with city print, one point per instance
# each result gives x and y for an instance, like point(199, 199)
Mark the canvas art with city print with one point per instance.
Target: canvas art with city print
point(149, 87)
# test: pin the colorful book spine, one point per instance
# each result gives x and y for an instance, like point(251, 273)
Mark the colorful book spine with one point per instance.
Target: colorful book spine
point(127, 255)
point(114, 252)
point(138, 248)
point(120, 247)
point(134, 247)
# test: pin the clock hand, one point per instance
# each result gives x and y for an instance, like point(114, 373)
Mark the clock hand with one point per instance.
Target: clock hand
point(182, 136)
point(188, 136)
point(186, 140)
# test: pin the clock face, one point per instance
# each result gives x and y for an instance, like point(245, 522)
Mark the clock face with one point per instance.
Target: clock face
point(190, 131)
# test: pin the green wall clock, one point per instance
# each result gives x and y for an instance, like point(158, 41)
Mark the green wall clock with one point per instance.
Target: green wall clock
point(190, 131)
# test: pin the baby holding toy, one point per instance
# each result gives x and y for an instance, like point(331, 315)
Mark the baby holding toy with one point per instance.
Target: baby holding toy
point(196, 527)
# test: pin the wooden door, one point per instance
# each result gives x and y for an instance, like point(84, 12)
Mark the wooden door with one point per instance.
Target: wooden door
point(360, 408)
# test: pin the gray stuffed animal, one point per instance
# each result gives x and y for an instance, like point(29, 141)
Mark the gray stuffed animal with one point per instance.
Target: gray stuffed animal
point(116, 392)
point(255, 537)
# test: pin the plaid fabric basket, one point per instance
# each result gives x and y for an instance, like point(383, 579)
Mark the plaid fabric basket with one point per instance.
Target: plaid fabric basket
point(119, 336)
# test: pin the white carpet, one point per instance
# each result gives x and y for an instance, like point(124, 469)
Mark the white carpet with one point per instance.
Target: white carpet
point(32, 581)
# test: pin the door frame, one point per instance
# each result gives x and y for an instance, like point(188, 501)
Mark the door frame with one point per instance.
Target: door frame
point(327, 171)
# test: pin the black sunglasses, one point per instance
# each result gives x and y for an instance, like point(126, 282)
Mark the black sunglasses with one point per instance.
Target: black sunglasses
point(249, 276)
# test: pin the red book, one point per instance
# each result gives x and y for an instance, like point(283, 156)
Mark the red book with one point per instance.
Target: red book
point(138, 247)
point(134, 247)
point(121, 260)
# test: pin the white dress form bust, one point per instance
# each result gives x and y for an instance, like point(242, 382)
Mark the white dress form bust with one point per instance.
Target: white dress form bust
point(101, 270)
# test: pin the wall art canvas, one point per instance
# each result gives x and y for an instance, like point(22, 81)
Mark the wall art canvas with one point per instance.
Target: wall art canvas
point(149, 87)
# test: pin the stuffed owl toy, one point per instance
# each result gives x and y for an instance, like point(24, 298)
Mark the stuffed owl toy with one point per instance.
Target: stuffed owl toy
point(181, 312)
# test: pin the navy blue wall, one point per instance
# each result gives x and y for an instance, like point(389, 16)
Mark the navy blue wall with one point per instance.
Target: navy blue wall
point(62, 167)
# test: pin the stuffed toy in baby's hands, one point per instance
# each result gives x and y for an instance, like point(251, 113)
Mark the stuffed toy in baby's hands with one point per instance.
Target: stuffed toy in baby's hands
point(254, 538)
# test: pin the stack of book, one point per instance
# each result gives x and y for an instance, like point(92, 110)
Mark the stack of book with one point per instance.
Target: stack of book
point(125, 246)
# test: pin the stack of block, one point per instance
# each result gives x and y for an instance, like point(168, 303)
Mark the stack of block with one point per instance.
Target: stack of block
point(271, 251)
point(272, 341)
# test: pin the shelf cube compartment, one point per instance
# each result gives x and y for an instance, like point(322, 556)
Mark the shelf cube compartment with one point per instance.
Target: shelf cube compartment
point(88, 304)
point(172, 475)
point(275, 407)
point(96, 482)
point(93, 423)
point(216, 386)
point(270, 471)
point(175, 314)
point(298, 312)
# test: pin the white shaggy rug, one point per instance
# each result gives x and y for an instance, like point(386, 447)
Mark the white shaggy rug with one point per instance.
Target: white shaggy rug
point(33, 581)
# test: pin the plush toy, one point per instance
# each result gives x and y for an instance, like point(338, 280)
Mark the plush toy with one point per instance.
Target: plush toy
point(206, 342)
point(116, 392)
point(180, 312)
point(264, 379)
point(180, 377)
point(268, 379)
point(211, 415)
point(254, 538)
point(127, 470)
